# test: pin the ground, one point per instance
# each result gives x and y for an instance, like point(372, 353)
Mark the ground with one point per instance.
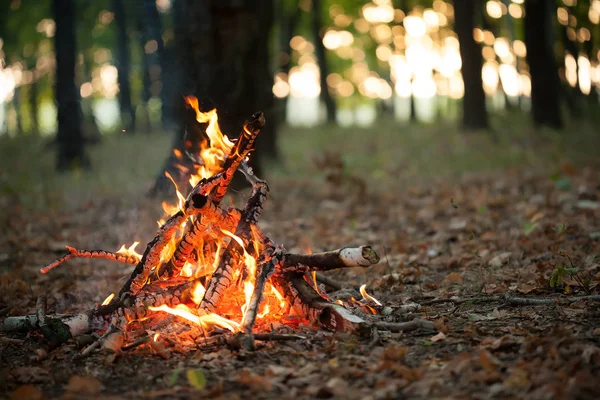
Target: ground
point(465, 226)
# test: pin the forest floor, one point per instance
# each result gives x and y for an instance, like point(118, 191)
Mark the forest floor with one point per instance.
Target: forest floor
point(464, 226)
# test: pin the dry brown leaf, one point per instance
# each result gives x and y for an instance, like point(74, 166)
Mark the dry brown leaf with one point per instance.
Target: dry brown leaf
point(26, 392)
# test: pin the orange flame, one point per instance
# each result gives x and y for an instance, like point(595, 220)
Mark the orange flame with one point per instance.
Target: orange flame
point(108, 299)
point(205, 321)
point(130, 251)
point(367, 296)
point(213, 154)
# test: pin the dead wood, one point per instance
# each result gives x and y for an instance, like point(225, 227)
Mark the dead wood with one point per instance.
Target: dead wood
point(221, 278)
point(108, 255)
point(347, 257)
point(306, 302)
point(532, 301)
point(239, 152)
point(264, 270)
point(405, 326)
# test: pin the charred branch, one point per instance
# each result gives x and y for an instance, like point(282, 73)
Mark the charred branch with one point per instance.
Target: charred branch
point(74, 253)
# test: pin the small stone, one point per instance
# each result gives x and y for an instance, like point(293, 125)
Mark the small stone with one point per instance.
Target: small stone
point(499, 260)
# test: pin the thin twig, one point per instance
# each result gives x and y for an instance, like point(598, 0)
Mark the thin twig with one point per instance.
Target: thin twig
point(277, 337)
point(405, 326)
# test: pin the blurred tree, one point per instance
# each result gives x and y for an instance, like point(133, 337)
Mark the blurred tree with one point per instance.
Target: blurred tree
point(127, 111)
point(153, 45)
point(545, 83)
point(71, 152)
point(474, 111)
point(223, 48)
point(318, 32)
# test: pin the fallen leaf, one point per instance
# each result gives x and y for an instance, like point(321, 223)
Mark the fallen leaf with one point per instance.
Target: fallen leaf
point(196, 378)
point(393, 352)
point(84, 384)
point(439, 337)
point(26, 392)
point(454, 277)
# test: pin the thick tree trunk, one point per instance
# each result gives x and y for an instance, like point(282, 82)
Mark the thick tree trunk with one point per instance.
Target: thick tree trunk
point(127, 111)
point(69, 137)
point(223, 50)
point(474, 111)
point(545, 84)
point(287, 29)
point(317, 26)
point(153, 46)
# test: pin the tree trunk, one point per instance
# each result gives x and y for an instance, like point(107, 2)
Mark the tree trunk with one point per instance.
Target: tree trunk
point(223, 50)
point(287, 29)
point(474, 111)
point(32, 96)
point(126, 109)
point(152, 43)
point(69, 137)
point(317, 26)
point(17, 105)
point(545, 84)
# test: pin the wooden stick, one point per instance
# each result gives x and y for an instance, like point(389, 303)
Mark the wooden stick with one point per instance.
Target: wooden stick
point(305, 301)
point(532, 301)
point(108, 255)
point(221, 278)
point(347, 257)
point(239, 152)
point(405, 326)
point(264, 271)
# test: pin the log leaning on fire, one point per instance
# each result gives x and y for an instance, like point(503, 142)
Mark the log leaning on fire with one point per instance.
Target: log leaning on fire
point(239, 152)
point(347, 257)
point(62, 327)
point(198, 227)
point(264, 270)
point(221, 278)
point(107, 255)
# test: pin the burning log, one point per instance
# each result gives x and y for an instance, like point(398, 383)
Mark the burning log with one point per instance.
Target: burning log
point(263, 273)
point(223, 275)
point(194, 258)
point(125, 257)
point(241, 150)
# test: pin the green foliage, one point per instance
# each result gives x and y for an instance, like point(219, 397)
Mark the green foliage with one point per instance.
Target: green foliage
point(561, 271)
point(196, 378)
point(529, 227)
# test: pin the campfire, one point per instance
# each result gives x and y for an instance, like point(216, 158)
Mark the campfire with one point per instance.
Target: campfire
point(210, 276)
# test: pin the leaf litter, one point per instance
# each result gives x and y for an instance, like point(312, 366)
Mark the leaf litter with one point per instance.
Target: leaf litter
point(468, 252)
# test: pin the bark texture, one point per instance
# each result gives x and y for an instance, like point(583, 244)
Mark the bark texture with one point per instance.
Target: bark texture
point(474, 111)
point(545, 83)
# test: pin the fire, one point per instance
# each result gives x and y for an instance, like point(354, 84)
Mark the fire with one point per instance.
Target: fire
point(156, 336)
point(367, 296)
point(212, 154)
point(130, 251)
point(198, 293)
point(108, 299)
point(205, 321)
